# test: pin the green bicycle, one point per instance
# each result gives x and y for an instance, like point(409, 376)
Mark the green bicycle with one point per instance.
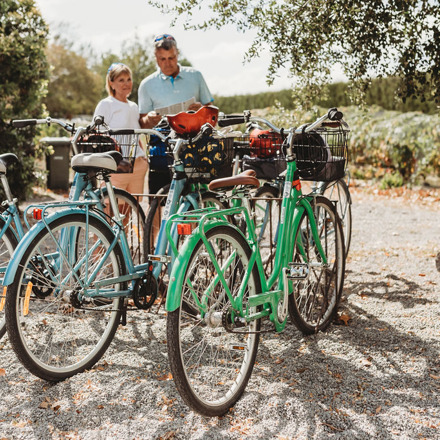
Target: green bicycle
point(219, 299)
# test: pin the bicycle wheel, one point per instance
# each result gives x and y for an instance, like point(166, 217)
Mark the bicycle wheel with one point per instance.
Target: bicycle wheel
point(153, 220)
point(54, 330)
point(267, 214)
point(316, 287)
point(154, 215)
point(211, 359)
point(152, 225)
point(8, 243)
point(338, 191)
point(133, 220)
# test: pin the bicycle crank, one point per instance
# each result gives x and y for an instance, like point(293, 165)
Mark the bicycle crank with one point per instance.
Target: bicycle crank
point(145, 291)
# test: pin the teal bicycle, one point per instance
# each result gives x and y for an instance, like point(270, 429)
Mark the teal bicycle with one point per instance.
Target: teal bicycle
point(73, 276)
point(219, 299)
point(73, 279)
point(11, 228)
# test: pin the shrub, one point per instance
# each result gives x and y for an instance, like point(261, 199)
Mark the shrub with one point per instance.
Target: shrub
point(24, 73)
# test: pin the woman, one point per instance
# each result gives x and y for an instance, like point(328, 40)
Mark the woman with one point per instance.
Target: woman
point(119, 112)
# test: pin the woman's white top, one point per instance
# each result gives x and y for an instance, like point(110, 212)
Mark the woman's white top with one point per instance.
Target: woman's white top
point(118, 114)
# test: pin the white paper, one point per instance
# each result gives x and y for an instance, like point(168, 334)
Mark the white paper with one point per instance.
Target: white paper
point(175, 108)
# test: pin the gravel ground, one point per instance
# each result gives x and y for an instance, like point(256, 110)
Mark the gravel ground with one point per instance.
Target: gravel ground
point(378, 376)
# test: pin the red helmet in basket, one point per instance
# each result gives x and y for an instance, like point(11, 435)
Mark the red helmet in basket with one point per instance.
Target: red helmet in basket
point(264, 143)
point(191, 122)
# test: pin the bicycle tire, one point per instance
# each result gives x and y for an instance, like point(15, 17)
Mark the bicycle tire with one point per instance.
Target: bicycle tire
point(8, 243)
point(210, 365)
point(59, 336)
point(314, 301)
point(338, 191)
point(266, 215)
point(134, 221)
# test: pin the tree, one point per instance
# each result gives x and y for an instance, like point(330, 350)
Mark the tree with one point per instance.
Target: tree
point(371, 38)
point(24, 74)
point(136, 54)
point(74, 89)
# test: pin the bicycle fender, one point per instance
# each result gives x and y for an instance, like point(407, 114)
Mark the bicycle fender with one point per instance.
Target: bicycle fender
point(32, 233)
point(180, 265)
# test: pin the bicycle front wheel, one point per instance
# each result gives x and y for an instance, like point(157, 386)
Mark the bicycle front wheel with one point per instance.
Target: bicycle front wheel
point(8, 243)
point(56, 329)
point(211, 352)
point(317, 286)
point(338, 192)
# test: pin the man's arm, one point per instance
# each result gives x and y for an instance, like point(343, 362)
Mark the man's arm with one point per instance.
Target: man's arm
point(149, 120)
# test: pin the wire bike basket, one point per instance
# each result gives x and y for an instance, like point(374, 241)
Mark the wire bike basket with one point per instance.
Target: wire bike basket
point(322, 154)
point(266, 156)
point(126, 144)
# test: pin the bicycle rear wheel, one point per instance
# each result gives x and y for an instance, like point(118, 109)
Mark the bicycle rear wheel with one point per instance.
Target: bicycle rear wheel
point(316, 291)
point(338, 192)
point(8, 243)
point(153, 223)
point(133, 220)
point(211, 354)
point(267, 213)
point(55, 328)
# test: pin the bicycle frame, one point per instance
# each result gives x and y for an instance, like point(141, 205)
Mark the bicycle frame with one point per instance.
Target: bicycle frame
point(275, 287)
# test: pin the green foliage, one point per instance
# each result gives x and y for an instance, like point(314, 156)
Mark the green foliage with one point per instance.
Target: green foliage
point(138, 55)
point(391, 180)
point(366, 39)
point(389, 142)
point(24, 74)
point(73, 88)
point(382, 92)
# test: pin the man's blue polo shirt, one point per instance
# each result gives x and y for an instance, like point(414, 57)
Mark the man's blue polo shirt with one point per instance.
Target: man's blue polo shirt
point(159, 90)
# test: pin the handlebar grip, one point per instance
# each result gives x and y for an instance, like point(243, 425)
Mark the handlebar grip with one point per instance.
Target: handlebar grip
point(122, 131)
point(206, 130)
point(20, 123)
point(234, 120)
point(335, 115)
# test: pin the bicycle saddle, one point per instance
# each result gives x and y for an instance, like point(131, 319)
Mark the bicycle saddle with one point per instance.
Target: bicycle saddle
point(246, 178)
point(191, 122)
point(5, 160)
point(84, 162)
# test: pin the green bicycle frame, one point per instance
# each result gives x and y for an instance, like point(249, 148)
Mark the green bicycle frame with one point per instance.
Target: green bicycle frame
point(273, 289)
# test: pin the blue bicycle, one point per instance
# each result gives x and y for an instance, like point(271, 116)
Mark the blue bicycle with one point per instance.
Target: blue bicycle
point(11, 229)
point(72, 278)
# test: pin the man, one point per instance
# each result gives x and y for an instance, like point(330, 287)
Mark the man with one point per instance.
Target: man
point(170, 84)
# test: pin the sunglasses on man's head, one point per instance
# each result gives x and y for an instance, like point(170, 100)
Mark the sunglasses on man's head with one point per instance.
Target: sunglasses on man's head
point(163, 37)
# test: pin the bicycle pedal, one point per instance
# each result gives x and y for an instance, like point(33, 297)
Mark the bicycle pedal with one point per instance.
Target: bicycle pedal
point(298, 271)
point(160, 258)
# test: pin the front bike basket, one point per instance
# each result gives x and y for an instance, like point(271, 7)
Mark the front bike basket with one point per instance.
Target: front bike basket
point(127, 144)
point(322, 154)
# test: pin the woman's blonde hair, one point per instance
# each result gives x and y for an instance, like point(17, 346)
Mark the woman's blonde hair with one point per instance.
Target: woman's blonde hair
point(113, 72)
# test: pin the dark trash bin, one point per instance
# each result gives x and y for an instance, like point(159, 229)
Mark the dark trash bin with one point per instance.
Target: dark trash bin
point(58, 164)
